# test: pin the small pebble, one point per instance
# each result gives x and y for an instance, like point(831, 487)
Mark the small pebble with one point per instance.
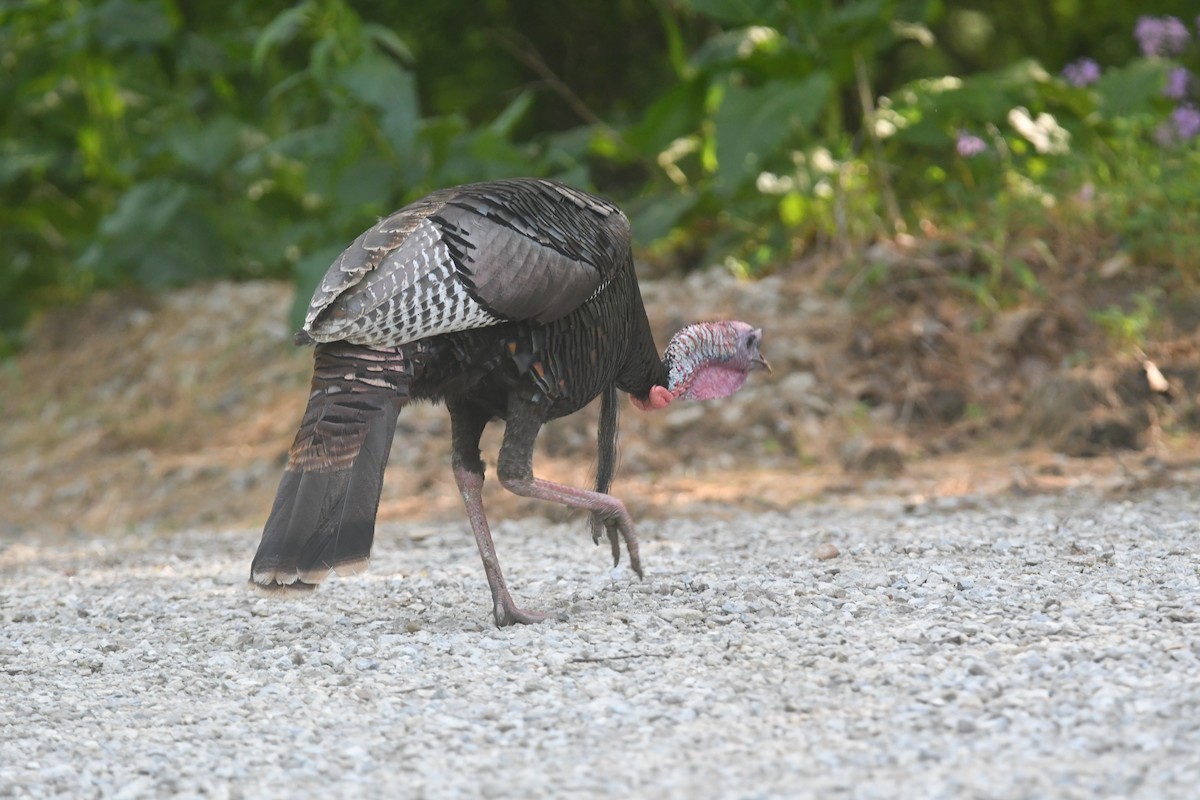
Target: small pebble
point(825, 551)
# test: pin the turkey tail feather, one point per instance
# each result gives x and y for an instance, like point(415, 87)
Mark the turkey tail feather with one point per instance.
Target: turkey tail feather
point(323, 517)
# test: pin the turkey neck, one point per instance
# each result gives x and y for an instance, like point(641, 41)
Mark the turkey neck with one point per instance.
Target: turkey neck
point(644, 367)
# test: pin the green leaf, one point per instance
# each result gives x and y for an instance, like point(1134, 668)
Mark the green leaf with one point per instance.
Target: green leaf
point(753, 124)
point(125, 23)
point(374, 79)
point(793, 207)
point(401, 120)
point(391, 44)
point(279, 32)
point(159, 235)
point(653, 217)
point(367, 184)
point(736, 12)
point(925, 133)
point(315, 144)
point(23, 158)
point(677, 113)
point(949, 103)
point(852, 21)
point(569, 145)
point(389, 88)
point(208, 149)
point(1131, 89)
point(730, 47)
point(512, 114)
point(146, 209)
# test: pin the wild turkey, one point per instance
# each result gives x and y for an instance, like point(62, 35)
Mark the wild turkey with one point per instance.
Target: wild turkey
point(514, 299)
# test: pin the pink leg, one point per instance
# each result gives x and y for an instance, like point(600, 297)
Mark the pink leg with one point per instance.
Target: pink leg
point(515, 468)
point(606, 506)
point(505, 611)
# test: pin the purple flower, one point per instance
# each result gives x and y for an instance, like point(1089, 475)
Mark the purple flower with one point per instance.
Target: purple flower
point(1161, 36)
point(969, 145)
point(1187, 121)
point(1083, 72)
point(1177, 83)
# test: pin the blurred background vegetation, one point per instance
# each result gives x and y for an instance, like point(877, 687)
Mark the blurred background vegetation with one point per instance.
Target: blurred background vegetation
point(152, 143)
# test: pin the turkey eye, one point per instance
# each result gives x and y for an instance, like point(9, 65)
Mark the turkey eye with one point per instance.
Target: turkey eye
point(751, 340)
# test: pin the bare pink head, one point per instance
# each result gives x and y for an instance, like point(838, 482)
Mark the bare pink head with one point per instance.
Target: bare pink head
point(706, 361)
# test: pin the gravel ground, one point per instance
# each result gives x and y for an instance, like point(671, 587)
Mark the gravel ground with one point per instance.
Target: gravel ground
point(1002, 647)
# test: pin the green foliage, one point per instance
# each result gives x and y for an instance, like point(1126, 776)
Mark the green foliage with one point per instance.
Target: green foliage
point(759, 98)
point(1146, 193)
point(1129, 328)
point(1078, 161)
point(145, 148)
point(155, 142)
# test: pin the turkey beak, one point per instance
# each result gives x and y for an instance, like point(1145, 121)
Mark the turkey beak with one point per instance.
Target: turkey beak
point(752, 342)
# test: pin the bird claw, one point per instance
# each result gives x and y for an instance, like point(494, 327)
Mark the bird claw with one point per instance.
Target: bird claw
point(612, 529)
point(598, 527)
point(635, 562)
point(615, 533)
point(507, 613)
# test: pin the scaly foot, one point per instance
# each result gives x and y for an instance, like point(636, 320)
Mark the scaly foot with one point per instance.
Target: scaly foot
point(507, 613)
point(617, 529)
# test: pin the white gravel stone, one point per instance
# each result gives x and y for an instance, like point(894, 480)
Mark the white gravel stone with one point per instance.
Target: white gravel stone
point(1002, 647)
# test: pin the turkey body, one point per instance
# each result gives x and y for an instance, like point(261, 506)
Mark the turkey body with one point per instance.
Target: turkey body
point(513, 300)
